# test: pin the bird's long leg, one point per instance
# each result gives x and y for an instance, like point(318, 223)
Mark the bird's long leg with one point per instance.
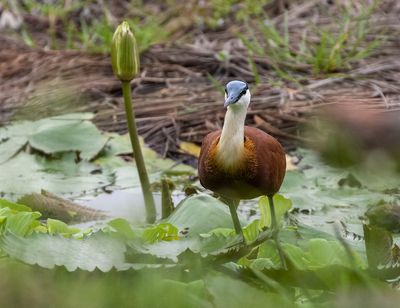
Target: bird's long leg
point(275, 230)
point(233, 204)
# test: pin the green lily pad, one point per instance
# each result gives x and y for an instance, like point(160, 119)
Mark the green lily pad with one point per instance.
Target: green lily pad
point(225, 290)
point(117, 145)
point(72, 132)
point(82, 137)
point(10, 147)
point(97, 251)
point(201, 214)
point(26, 174)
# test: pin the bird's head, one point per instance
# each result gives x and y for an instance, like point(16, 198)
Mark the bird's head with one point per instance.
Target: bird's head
point(237, 93)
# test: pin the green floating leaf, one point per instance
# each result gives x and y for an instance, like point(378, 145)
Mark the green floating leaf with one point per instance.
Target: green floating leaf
point(252, 230)
point(97, 251)
point(161, 232)
point(117, 145)
point(179, 294)
point(281, 204)
point(225, 290)
point(14, 206)
point(122, 228)
point(58, 227)
point(10, 147)
point(26, 174)
point(268, 251)
point(301, 234)
point(19, 223)
point(296, 256)
point(163, 250)
point(323, 253)
point(260, 264)
point(204, 223)
point(127, 176)
point(64, 137)
point(322, 195)
point(201, 214)
point(225, 232)
point(82, 137)
point(15, 136)
point(316, 254)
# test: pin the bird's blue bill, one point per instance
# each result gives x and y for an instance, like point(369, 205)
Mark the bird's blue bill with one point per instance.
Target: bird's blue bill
point(234, 91)
point(231, 99)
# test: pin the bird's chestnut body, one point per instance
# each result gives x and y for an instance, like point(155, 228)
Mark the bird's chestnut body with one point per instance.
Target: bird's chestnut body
point(259, 171)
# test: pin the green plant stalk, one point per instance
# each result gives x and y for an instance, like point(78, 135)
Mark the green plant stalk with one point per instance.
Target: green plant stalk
point(167, 205)
point(137, 151)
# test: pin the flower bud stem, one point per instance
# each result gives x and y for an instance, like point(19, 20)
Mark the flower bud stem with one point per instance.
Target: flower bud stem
point(137, 151)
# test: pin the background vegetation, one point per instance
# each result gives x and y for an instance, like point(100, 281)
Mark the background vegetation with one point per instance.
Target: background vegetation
point(57, 92)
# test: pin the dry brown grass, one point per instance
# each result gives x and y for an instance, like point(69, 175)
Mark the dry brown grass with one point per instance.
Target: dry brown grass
point(174, 98)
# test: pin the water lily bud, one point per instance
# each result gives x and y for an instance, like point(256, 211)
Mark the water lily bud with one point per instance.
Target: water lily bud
point(124, 53)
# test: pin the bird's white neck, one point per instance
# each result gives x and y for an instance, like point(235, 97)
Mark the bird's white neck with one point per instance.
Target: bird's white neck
point(231, 143)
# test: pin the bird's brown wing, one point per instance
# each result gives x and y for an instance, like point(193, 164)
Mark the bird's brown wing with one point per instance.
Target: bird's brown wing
point(207, 177)
point(271, 161)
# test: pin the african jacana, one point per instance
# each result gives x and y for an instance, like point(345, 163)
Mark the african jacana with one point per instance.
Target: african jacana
point(242, 162)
